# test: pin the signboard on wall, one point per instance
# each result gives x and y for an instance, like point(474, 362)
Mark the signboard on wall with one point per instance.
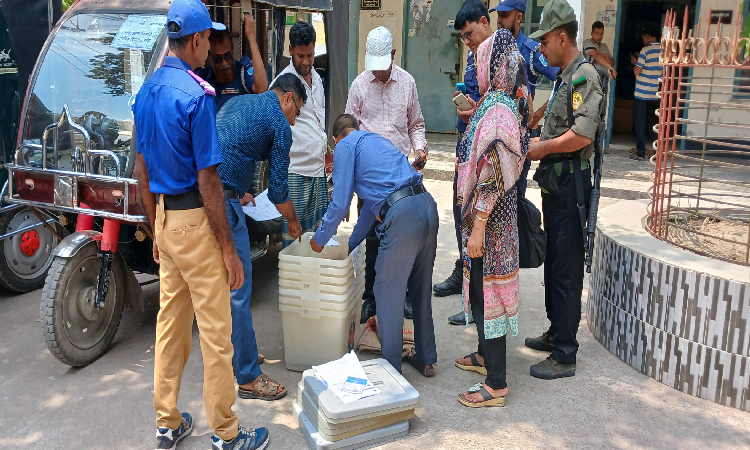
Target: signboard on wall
point(370, 4)
point(608, 18)
point(721, 16)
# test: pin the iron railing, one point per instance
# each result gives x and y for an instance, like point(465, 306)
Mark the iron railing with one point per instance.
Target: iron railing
point(700, 199)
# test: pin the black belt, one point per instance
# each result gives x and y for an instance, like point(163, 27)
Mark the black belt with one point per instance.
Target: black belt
point(231, 194)
point(188, 200)
point(400, 194)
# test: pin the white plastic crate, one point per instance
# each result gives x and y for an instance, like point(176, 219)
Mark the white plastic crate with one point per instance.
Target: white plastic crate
point(316, 332)
point(365, 440)
point(331, 271)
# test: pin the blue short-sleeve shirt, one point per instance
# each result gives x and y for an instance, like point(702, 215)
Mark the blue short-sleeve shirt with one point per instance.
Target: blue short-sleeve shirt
point(535, 62)
point(175, 126)
point(241, 84)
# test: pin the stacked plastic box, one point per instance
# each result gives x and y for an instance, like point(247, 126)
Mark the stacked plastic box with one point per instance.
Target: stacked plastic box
point(329, 424)
point(320, 300)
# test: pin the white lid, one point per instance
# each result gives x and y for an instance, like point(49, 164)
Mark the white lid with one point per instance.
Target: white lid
point(395, 392)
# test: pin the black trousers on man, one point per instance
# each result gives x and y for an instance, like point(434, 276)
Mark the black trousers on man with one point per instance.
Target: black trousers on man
point(645, 118)
point(563, 264)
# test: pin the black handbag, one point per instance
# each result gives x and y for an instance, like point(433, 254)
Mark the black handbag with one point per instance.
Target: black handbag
point(532, 240)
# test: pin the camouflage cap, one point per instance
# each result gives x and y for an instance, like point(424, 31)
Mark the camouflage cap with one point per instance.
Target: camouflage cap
point(555, 13)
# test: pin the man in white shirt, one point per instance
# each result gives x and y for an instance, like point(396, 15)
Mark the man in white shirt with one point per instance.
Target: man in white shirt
point(384, 101)
point(308, 188)
point(597, 52)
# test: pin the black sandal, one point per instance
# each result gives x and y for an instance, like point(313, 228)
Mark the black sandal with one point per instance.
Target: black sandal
point(475, 367)
point(489, 400)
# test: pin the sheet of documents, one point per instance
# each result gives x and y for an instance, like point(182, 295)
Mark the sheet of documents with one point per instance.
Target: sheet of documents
point(263, 209)
point(336, 374)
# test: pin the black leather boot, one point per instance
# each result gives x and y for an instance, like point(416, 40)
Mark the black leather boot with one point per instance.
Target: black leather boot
point(452, 285)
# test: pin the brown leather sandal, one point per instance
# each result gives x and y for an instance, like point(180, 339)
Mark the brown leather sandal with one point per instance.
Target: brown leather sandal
point(264, 389)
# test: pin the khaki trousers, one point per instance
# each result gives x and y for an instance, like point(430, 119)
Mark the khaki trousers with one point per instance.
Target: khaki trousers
point(193, 284)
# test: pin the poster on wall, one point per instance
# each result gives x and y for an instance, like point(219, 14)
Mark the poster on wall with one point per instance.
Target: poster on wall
point(370, 4)
point(608, 18)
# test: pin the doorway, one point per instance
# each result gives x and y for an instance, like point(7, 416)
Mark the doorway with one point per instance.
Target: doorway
point(636, 14)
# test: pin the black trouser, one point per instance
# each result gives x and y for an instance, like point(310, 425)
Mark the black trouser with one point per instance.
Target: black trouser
point(492, 350)
point(645, 118)
point(563, 264)
point(457, 213)
point(372, 243)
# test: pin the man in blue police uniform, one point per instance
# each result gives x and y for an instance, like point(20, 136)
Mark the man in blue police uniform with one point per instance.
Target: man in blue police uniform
point(178, 152)
point(229, 77)
point(372, 167)
point(473, 22)
point(510, 14)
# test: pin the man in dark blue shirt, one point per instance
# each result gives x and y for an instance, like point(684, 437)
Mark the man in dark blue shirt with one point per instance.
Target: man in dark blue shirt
point(177, 156)
point(255, 128)
point(472, 21)
point(231, 78)
point(370, 166)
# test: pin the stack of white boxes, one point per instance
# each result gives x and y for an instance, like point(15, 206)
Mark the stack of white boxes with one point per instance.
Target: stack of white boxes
point(320, 299)
point(329, 424)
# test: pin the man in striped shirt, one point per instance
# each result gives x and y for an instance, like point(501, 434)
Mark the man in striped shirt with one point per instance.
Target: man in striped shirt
point(647, 69)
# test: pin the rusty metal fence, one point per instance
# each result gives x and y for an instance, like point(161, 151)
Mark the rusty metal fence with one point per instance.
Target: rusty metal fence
point(700, 199)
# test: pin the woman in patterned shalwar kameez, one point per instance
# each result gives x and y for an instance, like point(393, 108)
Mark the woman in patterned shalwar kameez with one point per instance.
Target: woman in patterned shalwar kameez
point(490, 160)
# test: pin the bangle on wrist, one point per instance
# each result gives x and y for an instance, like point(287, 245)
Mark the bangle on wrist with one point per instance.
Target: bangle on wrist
point(482, 219)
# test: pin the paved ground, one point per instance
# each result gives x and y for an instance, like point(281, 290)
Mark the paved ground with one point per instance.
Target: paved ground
point(45, 404)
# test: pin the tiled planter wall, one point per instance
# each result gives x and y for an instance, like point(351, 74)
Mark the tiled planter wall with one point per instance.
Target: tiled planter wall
point(683, 328)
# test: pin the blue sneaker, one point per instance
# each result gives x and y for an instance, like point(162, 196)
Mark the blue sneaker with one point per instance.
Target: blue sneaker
point(167, 439)
point(256, 439)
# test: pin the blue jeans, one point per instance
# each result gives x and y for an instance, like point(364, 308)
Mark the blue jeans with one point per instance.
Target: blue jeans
point(245, 360)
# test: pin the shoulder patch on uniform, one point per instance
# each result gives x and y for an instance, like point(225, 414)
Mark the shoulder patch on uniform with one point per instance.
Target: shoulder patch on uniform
point(577, 100)
point(542, 59)
point(207, 88)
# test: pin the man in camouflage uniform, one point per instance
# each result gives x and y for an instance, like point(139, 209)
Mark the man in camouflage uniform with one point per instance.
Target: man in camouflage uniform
point(564, 173)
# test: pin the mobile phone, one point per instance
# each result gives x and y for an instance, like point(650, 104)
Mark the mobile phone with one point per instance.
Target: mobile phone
point(461, 87)
point(461, 102)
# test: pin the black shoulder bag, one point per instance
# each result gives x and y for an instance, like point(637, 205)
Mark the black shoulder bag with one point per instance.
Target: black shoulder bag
point(532, 239)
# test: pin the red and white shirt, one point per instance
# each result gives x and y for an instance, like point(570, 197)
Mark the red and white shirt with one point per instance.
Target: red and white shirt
point(389, 109)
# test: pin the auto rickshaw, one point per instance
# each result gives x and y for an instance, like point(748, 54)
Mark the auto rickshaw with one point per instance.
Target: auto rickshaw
point(25, 243)
point(74, 159)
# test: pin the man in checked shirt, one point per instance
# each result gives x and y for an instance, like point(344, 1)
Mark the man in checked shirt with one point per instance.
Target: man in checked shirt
point(384, 100)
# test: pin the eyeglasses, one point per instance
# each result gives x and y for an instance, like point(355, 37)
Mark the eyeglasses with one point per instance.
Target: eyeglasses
point(299, 110)
point(217, 59)
point(467, 36)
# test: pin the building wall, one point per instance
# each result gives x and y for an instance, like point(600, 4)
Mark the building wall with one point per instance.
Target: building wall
point(723, 115)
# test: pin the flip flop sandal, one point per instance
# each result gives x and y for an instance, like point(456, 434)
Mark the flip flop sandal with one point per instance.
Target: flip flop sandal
point(475, 367)
point(489, 400)
point(264, 389)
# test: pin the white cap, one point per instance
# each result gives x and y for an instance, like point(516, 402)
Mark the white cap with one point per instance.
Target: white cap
point(379, 47)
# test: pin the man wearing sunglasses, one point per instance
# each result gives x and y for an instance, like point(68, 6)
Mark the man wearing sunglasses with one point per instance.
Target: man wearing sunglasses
point(229, 77)
point(256, 128)
point(473, 22)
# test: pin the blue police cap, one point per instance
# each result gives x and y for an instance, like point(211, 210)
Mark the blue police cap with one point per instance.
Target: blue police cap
point(191, 16)
point(510, 5)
